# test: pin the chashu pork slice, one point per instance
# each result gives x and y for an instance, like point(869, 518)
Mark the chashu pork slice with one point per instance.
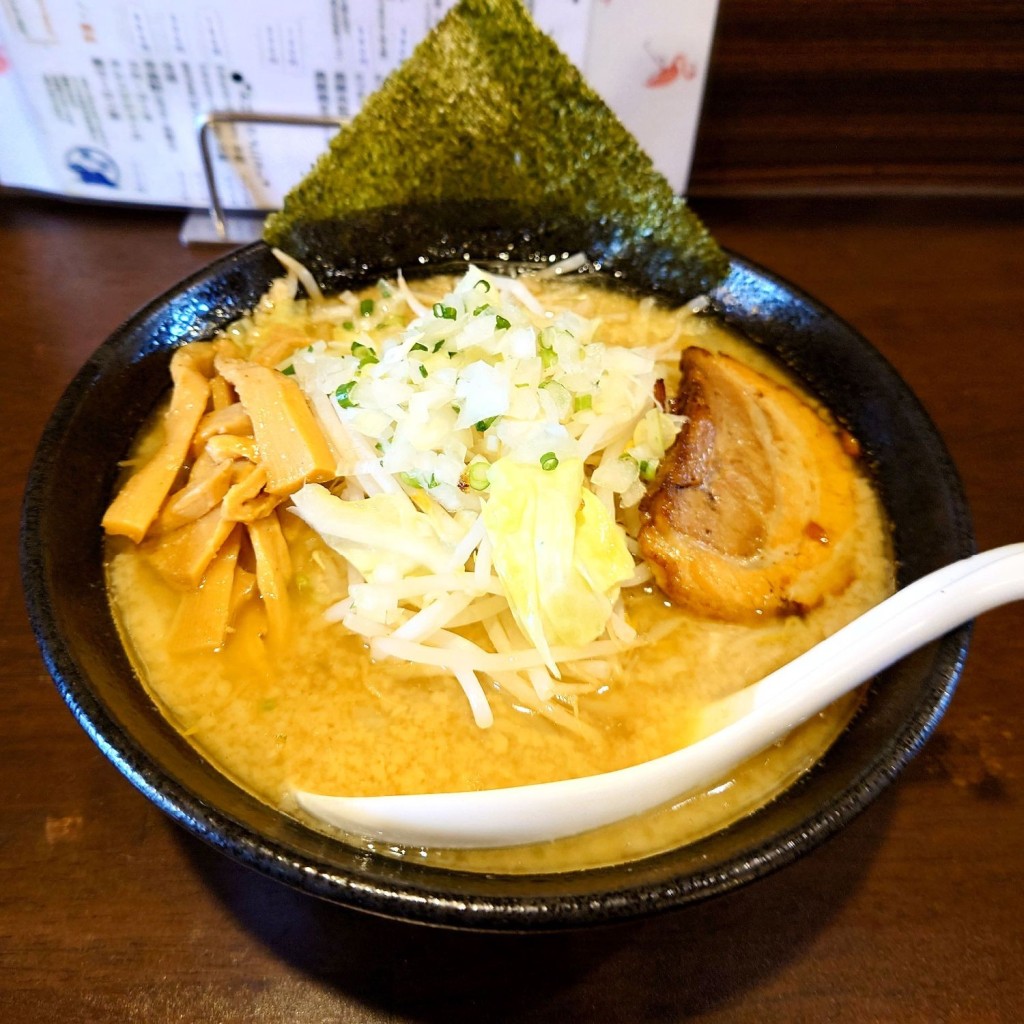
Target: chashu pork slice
point(753, 504)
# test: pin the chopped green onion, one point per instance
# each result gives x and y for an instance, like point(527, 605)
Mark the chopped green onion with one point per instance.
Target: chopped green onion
point(419, 347)
point(343, 395)
point(549, 461)
point(548, 356)
point(485, 283)
point(483, 425)
point(416, 480)
point(443, 312)
point(289, 370)
point(581, 402)
point(438, 345)
point(348, 325)
point(501, 324)
point(648, 469)
point(364, 353)
point(423, 370)
point(476, 476)
point(366, 307)
point(480, 309)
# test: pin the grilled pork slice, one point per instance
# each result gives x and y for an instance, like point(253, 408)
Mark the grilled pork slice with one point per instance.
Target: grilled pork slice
point(752, 505)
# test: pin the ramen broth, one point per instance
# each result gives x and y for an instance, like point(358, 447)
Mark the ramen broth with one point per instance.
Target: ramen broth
point(313, 711)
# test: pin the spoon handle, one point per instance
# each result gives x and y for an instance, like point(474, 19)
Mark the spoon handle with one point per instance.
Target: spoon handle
point(921, 612)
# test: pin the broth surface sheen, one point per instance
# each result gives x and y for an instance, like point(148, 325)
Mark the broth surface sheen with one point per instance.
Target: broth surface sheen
point(313, 711)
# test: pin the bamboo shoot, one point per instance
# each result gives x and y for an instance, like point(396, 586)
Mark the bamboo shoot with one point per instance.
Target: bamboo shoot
point(204, 614)
point(183, 555)
point(207, 484)
point(138, 502)
point(291, 444)
point(273, 569)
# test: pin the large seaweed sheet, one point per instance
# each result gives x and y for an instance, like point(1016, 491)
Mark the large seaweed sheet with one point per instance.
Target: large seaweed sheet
point(487, 139)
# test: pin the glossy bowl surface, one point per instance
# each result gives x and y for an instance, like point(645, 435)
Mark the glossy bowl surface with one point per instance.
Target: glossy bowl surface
point(105, 405)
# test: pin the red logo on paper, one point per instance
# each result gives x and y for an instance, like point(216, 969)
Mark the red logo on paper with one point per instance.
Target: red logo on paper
point(680, 66)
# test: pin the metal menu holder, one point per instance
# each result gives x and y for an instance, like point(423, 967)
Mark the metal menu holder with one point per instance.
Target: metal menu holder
point(216, 225)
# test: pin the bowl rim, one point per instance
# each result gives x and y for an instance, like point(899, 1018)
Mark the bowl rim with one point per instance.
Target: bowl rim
point(419, 893)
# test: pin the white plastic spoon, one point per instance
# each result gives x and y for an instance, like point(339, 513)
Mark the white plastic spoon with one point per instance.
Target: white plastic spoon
point(739, 727)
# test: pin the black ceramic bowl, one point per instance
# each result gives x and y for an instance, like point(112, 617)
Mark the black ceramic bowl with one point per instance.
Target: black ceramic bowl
point(61, 565)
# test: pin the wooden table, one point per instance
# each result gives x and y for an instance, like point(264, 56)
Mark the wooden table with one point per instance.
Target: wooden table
point(109, 912)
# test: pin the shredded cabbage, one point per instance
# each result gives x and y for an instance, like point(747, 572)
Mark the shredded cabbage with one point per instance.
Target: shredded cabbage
point(558, 552)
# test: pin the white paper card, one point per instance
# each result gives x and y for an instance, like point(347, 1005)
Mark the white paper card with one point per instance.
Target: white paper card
point(99, 99)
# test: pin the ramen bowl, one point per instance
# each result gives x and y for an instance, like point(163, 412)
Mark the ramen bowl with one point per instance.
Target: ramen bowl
point(108, 401)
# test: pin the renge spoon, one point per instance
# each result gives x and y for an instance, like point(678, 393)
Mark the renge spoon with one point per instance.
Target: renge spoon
point(733, 729)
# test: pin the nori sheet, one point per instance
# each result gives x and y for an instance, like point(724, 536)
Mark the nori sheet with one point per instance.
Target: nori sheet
point(488, 141)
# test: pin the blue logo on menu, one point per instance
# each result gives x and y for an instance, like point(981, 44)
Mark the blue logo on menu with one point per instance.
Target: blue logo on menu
point(93, 166)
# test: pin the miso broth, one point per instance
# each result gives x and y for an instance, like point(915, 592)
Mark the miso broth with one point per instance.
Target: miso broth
point(312, 710)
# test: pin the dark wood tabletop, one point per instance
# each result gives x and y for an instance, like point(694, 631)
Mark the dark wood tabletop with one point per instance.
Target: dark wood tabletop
point(110, 912)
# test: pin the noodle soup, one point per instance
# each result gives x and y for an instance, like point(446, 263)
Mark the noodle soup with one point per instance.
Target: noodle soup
point(313, 707)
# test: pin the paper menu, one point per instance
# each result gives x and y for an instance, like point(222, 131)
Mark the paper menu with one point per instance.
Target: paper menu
point(99, 99)
point(648, 61)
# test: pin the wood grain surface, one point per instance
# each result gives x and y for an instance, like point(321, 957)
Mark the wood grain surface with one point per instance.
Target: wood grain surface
point(864, 96)
point(109, 912)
